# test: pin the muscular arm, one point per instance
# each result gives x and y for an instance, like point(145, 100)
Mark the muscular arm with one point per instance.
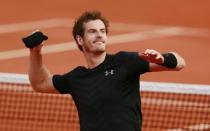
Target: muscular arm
point(155, 60)
point(39, 76)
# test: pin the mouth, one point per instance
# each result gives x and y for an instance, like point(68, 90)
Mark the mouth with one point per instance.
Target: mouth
point(99, 42)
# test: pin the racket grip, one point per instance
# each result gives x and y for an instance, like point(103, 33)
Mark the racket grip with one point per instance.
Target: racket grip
point(34, 39)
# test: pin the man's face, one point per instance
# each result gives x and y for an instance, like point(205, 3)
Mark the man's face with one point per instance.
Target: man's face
point(95, 37)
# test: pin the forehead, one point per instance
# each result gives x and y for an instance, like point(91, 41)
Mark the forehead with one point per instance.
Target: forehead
point(94, 24)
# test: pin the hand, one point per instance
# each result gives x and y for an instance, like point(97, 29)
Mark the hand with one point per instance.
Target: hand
point(38, 47)
point(152, 56)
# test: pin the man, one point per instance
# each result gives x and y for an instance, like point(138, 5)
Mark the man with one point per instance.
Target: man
point(106, 92)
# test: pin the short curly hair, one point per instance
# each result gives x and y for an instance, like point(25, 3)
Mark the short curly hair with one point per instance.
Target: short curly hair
point(78, 28)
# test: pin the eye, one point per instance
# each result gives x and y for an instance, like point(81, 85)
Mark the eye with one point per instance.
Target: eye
point(103, 30)
point(91, 31)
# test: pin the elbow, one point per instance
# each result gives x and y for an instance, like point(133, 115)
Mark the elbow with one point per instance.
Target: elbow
point(181, 65)
point(37, 88)
point(37, 84)
point(180, 68)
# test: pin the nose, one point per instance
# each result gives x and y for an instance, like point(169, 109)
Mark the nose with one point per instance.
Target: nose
point(98, 34)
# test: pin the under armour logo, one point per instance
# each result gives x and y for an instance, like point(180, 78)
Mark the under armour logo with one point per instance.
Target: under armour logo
point(111, 72)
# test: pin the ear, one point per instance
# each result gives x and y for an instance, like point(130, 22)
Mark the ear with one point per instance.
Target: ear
point(79, 40)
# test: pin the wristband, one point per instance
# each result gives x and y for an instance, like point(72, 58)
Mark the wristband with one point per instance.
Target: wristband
point(170, 60)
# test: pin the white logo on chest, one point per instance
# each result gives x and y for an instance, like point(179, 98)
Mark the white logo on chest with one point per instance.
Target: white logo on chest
point(109, 72)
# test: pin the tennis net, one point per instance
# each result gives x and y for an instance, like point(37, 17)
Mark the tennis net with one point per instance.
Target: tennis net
point(165, 107)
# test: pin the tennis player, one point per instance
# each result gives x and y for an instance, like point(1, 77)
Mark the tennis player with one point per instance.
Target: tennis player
point(106, 91)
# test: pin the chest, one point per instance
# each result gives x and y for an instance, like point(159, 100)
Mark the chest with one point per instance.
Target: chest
point(100, 89)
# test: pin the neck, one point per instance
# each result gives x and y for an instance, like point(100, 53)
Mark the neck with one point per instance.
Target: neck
point(94, 59)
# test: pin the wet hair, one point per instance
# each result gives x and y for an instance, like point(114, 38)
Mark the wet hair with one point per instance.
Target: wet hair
point(87, 16)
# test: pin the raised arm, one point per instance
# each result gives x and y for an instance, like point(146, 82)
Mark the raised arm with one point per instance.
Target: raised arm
point(39, 76)
point(170, 61)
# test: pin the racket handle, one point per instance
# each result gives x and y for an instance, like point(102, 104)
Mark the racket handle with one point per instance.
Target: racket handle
point(34, 39)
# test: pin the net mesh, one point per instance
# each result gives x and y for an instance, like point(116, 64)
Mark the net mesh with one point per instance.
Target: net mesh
point(165, 107)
